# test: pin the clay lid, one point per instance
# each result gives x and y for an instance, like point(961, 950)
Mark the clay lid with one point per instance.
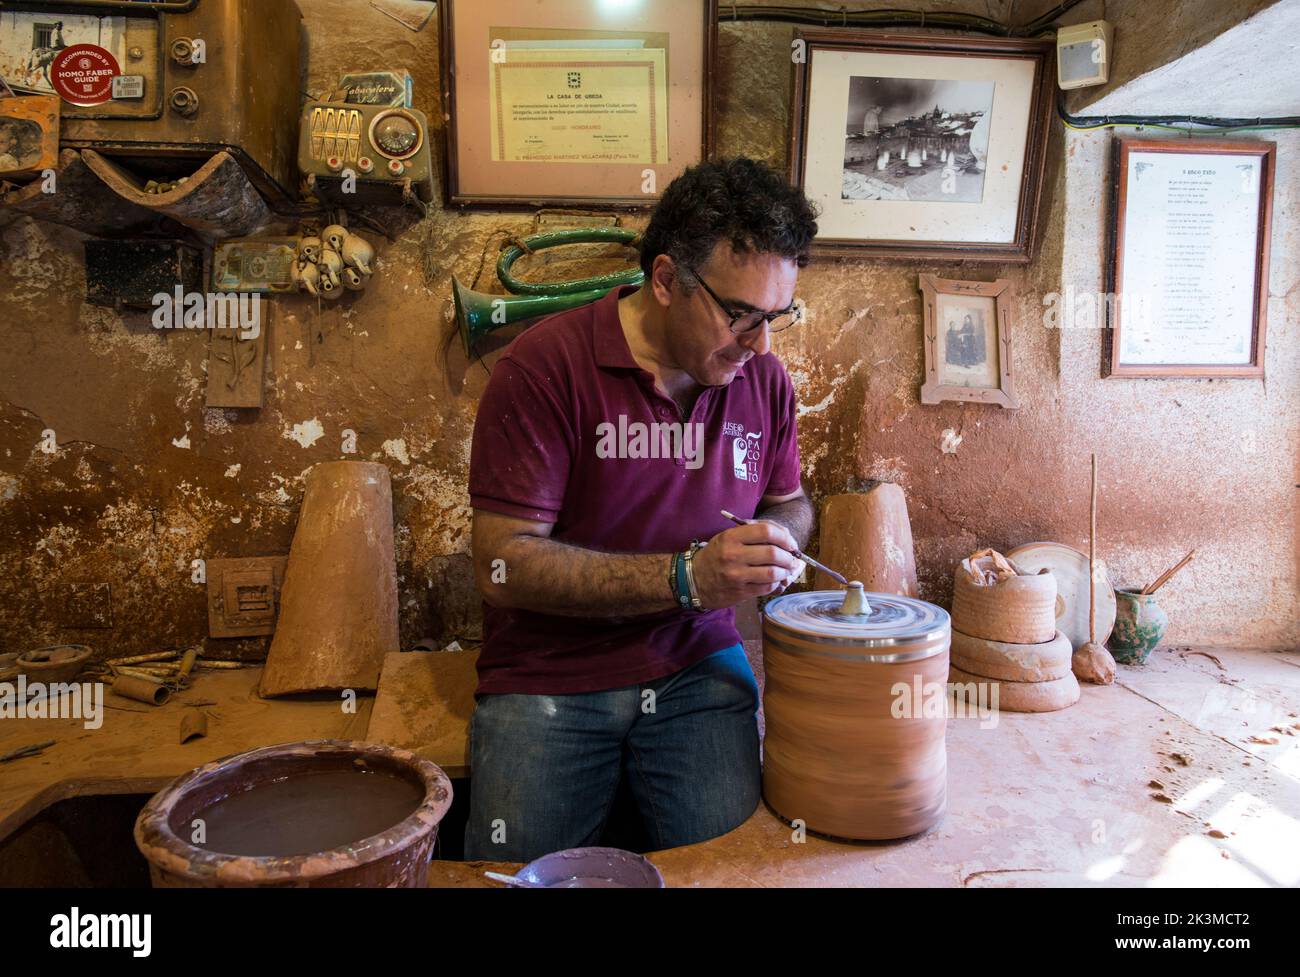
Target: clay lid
point(899, 627)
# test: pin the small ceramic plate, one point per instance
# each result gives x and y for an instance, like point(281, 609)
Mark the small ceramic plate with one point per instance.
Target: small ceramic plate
point(593, 868)
point(1070, 567)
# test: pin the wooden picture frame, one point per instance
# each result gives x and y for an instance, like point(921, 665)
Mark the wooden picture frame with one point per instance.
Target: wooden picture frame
point(1195, 213)
point(29, 135)
point(960, 357)
point(496, 103)
point(970, 178)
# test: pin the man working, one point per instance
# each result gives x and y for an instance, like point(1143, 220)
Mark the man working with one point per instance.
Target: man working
point(607, 442)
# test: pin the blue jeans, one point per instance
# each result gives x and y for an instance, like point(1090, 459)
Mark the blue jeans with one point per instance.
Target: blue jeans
point(545, 768)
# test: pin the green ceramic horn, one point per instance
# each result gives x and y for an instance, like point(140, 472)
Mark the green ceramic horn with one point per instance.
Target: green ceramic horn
point(478, 313)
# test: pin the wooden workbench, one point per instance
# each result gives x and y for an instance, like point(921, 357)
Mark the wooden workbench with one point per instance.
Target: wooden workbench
point(137, 748)
point(1023, 797)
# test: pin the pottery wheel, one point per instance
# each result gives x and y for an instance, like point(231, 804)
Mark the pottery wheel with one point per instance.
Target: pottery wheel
point(894, 619)
point(1071, 570)
point(836, 753)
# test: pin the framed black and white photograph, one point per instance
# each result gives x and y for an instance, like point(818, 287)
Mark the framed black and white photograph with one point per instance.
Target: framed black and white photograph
point(944, 128)
point(967, 342)
point(921, 145)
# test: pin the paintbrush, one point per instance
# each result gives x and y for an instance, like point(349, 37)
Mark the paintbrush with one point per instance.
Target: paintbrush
point(839, 577)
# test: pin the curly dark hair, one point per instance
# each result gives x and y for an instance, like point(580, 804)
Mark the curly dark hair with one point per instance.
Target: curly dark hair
point(738, 200)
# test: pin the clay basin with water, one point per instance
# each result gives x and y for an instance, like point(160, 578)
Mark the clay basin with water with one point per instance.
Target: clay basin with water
point(323, 814)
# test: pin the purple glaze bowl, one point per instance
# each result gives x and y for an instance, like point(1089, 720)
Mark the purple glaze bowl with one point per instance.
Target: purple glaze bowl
point(592, 868)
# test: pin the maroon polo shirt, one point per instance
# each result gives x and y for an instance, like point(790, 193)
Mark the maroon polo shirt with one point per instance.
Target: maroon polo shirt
point(565, 405)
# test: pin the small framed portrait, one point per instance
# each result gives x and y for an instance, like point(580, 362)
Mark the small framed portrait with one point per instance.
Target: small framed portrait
point(921, 145)
point(967, 342)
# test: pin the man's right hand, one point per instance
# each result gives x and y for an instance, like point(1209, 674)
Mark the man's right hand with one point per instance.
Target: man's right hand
point(744, 562)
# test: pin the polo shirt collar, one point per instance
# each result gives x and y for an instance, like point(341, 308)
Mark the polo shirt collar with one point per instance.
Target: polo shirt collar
point(611, 346)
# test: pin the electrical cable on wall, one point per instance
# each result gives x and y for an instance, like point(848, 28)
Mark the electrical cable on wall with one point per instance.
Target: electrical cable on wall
point(1039, 26)
point(890, 17)
point(1207, 123)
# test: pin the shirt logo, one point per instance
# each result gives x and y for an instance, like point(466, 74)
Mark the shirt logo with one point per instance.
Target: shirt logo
point(745, 450)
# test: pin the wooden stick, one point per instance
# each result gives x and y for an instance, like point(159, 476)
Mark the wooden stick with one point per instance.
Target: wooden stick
point(1092, 556)
point(164, 673)
point(23, 751)
point(1161, 580)
point(156, 656)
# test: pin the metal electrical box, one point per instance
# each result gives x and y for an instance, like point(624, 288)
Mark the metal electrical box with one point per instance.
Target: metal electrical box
point(383, 149)
point(171, 79)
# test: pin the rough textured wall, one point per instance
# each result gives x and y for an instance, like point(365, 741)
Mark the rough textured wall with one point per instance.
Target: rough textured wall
point(1151, 33)
point(145, 479)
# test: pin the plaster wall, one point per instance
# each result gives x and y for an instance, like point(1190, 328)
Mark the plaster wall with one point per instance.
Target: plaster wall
point(145, 479)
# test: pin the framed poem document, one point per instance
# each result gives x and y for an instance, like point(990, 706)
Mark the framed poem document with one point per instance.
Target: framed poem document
point(921, 145)
point(575, 102)
point(967, 342)
point(1189, 272)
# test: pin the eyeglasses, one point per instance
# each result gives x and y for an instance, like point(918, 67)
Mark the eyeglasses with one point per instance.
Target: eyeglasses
point(745, 321)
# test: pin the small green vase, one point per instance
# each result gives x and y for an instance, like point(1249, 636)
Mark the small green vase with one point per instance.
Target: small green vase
point(1140, 625)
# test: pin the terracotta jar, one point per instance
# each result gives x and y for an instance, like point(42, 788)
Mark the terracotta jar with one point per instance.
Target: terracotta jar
point(856, 713)
point(397, 856)
point(1018, 609)
point(867, 536)
point(1140, 625)
point(338, 605)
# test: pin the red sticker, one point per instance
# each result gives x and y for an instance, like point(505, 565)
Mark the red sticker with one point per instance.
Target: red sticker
point(83, 74)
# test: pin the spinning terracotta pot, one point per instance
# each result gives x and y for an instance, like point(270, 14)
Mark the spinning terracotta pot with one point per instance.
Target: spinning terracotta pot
point(338, 605)
point(867, 536)
point(850, 748)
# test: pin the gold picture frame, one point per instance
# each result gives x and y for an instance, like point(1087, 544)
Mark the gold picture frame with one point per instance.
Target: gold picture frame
point(542, 113)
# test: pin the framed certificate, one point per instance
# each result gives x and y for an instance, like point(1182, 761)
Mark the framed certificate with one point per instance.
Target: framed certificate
point(922, 146)
point(1188, 288)
point(575, 102)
